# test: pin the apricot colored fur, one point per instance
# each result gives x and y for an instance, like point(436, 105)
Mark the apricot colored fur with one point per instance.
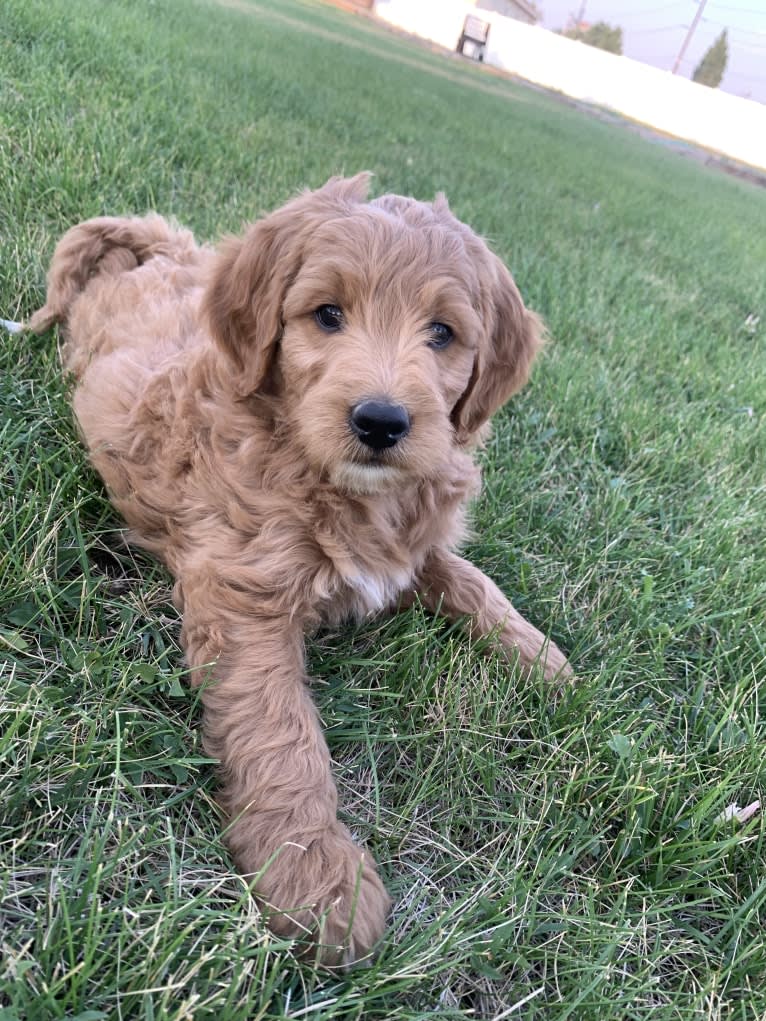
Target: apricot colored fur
point(216, 410)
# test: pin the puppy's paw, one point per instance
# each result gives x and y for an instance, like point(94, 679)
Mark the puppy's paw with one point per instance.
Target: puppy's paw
point(355, 922)
point(556, 667)
point(531, 651)
point(325, 893)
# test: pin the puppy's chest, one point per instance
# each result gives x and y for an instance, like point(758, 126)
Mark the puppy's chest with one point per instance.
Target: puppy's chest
point(361, 578)
point(367, 593)
point(372, 553)
point(356, 587)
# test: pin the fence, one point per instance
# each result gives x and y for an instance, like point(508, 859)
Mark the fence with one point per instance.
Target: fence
point(716, 120)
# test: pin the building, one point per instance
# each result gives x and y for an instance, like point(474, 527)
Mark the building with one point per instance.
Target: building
point(520, 10)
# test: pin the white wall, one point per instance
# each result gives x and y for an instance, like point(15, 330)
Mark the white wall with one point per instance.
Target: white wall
point(674, 105)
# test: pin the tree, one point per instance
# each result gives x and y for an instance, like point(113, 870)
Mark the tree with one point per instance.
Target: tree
point(710, 69)
point(601, 35)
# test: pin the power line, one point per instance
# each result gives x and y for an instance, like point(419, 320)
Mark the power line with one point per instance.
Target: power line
point(651, 31)
point(639, 13)
point(739, 10)
point(735, 28)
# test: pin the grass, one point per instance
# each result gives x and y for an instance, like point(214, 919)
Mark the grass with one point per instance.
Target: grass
point(548, 861)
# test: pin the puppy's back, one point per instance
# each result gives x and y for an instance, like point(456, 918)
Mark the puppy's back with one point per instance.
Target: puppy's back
point(113, 282)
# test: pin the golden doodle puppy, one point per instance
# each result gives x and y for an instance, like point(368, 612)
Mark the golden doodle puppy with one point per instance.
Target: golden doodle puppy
point(288, 422)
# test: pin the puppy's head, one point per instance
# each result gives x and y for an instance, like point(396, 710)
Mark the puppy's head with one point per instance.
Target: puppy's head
point(389, 330)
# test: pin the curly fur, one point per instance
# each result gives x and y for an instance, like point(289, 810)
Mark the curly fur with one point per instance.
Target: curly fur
point(217, 412)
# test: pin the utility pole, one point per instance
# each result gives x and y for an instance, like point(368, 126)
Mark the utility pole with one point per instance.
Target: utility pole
point(689, 35)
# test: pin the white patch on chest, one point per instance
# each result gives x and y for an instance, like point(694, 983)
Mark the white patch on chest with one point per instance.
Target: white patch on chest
point(374, 592)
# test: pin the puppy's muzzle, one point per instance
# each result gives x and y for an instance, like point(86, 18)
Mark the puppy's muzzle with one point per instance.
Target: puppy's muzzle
point(379, 424)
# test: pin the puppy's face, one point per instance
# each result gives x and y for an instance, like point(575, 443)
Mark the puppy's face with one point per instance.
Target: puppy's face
point(390, 329)
point(378, 344)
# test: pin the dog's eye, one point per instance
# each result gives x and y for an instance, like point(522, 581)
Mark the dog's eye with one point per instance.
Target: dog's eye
point(329, 317)
point(441, 335)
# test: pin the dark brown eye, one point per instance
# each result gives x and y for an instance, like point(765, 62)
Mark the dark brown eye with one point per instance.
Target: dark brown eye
point(441, 335)
point(330, 318)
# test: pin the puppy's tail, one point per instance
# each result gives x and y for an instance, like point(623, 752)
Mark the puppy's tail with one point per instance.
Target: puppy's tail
point(107, 244)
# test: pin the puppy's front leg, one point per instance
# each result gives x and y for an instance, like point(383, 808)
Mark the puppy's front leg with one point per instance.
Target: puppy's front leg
point(449, 585)
point(260, 722)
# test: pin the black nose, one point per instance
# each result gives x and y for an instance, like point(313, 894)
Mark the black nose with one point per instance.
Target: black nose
point(379, 424)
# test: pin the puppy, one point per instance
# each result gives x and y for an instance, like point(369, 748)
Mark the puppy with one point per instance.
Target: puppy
point(288, 422)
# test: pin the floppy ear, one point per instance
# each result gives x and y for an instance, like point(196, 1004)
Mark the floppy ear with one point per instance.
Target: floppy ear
point(504, 356)
point(243, 301)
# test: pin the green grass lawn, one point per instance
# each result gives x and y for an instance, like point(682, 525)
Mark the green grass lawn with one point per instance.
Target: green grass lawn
point(548, 861)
